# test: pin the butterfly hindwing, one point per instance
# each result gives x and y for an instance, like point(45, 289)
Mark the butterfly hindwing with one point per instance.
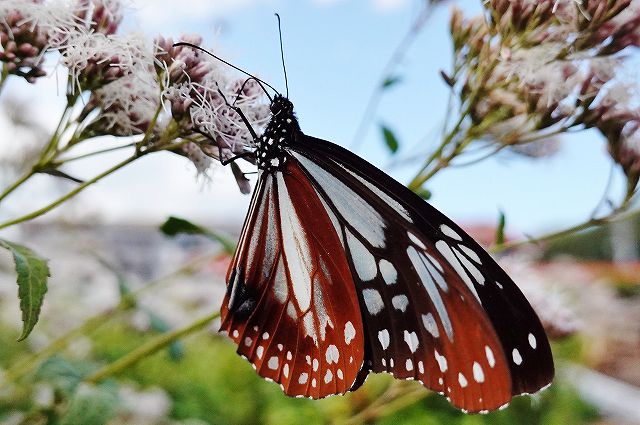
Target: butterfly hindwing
point(290, 301)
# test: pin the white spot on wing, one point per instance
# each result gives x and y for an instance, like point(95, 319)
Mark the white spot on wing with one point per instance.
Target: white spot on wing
point(340, 375)
point(273, 363)
point(400, 302)
point(416, 240)
point(363, 260)
point(421, 366)
point(383, 337)
point(373, 301)
point(315, 365)
point(259, 351)
point(532, 341)
point(517, 358)
point(450, 232)
point(470, 253)
point(247, 341)
point(386, 198)
point(285, 371)
point(265, 335)
point(490, 358)
point(389, 272)
point(409, 365)
point(349, 333)
point(332, 354)
point(442, 361)
point(430, 325)
point(462, 380)
point(478, 373)
point(448, 254)
point(412, 340)
point(328, 376)
point(418, 263)
point(304, 377)
point(477, 275)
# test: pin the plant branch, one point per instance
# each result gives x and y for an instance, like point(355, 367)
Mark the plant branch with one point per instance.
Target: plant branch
point(26, 176)
point(69, 195)
point(149, 348)
point(395, 58)
point(617, 214)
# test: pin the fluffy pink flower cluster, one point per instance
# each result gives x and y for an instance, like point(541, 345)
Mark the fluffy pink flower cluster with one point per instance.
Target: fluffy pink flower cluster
point(134, 86)
point(530, 70)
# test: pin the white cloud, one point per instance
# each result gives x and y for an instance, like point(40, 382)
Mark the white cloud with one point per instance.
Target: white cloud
point(157, 14)
point(389, 5)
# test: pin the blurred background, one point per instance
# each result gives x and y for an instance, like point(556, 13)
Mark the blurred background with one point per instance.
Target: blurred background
point(119, 281)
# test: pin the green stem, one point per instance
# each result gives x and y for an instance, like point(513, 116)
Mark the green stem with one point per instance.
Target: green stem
point(592, 222)
point(69, 195)
point(149, 348)
point(4, 74)
point(87, 155)
point(49, 152)
point(393, 61)
point(26, 176)
point(398, 395)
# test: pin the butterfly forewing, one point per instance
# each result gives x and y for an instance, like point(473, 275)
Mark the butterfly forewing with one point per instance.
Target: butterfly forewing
point(299, 328)
point(521, 336)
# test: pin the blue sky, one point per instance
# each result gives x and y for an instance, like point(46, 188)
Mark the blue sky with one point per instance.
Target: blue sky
point(335, 51)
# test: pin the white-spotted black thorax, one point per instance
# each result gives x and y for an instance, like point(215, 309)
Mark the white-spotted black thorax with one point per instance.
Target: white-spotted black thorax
point(280, 131)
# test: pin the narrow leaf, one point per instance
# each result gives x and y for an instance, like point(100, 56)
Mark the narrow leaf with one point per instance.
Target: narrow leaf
point(391, 81)
point(502, 221)
point(390, 138)
point(175, 225)
point(33, 273)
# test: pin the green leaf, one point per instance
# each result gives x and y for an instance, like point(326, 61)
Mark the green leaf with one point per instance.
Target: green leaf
point(502, 221)
point(390, 138)
point(175, 225)
point(176, 349)
point(92, 405)
point(64, 376)
point(33, 273)
point(391, 81)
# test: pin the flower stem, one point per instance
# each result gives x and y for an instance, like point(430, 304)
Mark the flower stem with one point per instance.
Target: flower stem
point(395, 58)
point(398, 395)
point(26, 176)
point(69, 195)
point(89, 154)
point(3, 77)
point(149, 348)
point(615, 215)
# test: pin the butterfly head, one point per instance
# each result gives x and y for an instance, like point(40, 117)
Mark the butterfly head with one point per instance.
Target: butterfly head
point(281, 106)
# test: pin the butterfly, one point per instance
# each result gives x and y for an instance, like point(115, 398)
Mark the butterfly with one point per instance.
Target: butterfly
point(341, 271)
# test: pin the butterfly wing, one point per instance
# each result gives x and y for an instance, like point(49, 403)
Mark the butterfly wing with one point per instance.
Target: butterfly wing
point(290, 300)
point(428, 292)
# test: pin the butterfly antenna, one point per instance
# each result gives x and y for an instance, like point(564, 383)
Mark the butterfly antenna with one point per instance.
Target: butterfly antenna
point(286, 83)
point(258, 80)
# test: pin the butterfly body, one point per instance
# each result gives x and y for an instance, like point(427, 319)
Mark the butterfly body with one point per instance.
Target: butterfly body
point(341, 271)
